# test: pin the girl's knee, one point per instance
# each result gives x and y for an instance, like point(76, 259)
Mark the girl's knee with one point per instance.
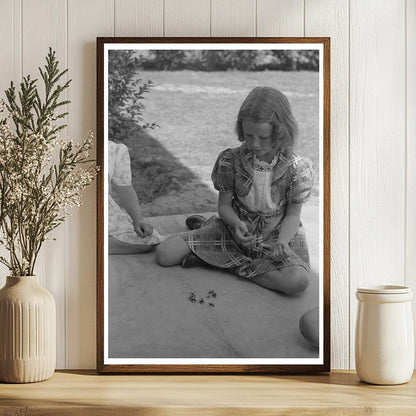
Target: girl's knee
point(289, 280)
point(309, 326)
point(162, 254)
point(299, 280)
point(171, 252)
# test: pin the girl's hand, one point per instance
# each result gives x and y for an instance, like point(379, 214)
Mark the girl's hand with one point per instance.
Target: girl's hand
point(242, 236)
point(281, 249)
point(143, 229)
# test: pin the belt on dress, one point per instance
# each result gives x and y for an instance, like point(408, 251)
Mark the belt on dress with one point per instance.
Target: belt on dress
point(257, 217)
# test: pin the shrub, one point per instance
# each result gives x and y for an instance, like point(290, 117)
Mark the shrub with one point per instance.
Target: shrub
point(125, 94)
point(223, 60)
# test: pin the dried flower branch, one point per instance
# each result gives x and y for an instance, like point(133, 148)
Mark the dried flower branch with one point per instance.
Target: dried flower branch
point(37, 193)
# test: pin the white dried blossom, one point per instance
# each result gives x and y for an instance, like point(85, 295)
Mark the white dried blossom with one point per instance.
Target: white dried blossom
point(39, 192)
point(42, 175)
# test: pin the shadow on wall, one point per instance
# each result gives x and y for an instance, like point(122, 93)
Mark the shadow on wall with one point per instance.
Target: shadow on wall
point(163, 184)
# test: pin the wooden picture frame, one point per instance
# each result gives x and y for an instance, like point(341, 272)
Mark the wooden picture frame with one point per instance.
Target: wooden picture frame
point(166, 315)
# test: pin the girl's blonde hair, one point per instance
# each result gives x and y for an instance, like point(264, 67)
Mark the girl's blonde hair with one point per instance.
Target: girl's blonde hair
point(267, 104)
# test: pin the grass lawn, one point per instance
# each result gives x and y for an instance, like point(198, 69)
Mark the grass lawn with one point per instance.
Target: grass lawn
point(196, 112)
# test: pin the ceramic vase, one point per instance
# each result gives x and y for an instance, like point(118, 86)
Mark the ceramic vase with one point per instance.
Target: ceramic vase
point(384, 340)
point(27, 331)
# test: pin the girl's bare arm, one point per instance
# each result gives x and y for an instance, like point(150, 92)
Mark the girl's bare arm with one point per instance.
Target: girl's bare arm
point(290, 223)
point(228, 215)
point(129, 201)
point(226, 211)
point(288, 228)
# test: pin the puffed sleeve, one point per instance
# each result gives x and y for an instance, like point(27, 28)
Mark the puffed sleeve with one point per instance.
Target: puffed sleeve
point(122, 172)
point(301, 182)
point(223, 172)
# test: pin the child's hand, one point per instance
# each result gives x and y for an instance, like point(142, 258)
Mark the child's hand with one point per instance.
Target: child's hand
point(280, 249)
point(143, 229)
point(242, 236)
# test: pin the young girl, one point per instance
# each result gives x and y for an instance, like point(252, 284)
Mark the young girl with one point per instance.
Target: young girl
point(262, 185)
point(127, 232)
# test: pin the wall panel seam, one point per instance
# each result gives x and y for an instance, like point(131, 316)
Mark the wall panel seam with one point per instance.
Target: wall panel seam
point(21, 39)
point(163, 19)
point(304, 17)
point(66, 222)
point(210, 18)
point(405, 146)
point(349, 186)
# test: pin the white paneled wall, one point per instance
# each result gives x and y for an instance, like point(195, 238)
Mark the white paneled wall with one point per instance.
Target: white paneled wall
point(377, 144)
point(373, 132)
point(331, 18)
point(410, 162)
point(86, 21)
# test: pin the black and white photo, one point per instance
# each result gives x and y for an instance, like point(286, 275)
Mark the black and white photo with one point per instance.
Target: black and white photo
point(213, 250)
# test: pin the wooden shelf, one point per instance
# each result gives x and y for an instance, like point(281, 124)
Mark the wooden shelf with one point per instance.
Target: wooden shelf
point(86, 393)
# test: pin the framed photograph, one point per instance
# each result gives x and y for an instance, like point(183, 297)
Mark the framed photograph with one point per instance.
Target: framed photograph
point(213, 240)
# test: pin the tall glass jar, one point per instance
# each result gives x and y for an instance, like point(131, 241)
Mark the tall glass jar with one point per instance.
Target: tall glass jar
point(384, 338)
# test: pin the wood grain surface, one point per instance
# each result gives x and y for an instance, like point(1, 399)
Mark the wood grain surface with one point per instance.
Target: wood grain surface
point(187, 18)
point(280, 18)
point(84, 392)
point(233, 18)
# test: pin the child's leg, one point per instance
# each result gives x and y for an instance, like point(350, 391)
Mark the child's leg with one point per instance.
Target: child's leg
point(291, 279)
point(309, 326)
point(116, 246)
point(172, 251)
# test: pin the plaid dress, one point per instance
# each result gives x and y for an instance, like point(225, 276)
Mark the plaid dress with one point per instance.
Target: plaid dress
point(291, 181)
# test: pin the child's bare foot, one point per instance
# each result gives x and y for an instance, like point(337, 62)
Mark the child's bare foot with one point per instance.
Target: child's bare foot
point(191, 260)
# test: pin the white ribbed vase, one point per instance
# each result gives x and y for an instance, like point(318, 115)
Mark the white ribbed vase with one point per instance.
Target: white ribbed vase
point(27, 331)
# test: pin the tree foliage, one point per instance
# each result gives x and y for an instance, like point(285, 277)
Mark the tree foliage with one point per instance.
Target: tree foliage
point(126, 92)
point(223, 60)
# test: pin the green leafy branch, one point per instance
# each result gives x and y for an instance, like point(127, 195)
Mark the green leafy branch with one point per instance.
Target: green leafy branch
point(36, 194)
